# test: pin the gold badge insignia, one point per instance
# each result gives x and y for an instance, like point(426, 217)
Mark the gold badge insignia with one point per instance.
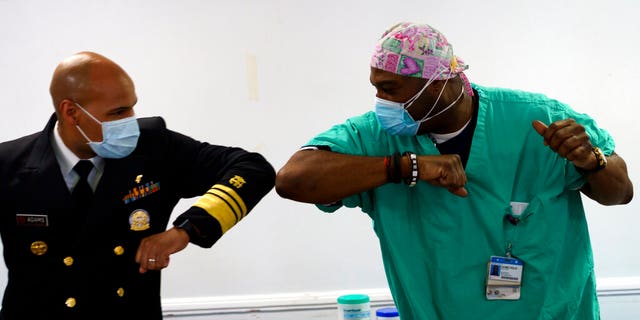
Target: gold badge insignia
point(68, 261)
point(237, 181)
point(139, 178)
point(139, 220)
point(119, 250)
point(71, 302)
point(39, 248)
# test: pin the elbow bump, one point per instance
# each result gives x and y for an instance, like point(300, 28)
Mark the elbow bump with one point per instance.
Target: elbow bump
point(629, 196)
point(285, 185)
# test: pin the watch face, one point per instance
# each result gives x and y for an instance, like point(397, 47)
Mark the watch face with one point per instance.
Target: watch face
point(600, 157)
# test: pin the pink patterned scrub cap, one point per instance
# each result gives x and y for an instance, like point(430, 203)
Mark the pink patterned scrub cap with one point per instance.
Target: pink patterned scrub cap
point(420, 51)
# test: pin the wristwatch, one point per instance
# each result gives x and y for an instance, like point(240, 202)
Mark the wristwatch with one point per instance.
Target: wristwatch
point(191, 230)
point(601, 161)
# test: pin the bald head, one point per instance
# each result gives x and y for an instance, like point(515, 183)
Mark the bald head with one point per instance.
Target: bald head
point(87, 90)
point(86, 76)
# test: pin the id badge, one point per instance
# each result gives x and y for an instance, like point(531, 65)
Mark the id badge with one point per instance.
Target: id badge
point(504, 278)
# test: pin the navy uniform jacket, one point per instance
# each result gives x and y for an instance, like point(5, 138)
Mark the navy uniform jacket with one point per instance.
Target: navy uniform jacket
point(65, 266)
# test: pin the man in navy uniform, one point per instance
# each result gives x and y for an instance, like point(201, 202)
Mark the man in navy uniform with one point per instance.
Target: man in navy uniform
point(85, 203)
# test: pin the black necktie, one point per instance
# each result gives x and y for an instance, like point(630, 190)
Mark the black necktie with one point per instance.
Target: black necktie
point(82, 193)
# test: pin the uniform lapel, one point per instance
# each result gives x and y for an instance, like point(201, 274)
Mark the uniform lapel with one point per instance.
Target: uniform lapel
point(42, 172)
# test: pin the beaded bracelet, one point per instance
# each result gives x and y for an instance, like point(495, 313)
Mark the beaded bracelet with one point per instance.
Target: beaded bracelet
point(397, 168)
point(392, 164)
point(387, 166)
point(413, 179)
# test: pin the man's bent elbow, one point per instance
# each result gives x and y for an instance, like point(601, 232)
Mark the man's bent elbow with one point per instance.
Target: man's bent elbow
point(287, 184)
point(629, 195)
point(623, 197)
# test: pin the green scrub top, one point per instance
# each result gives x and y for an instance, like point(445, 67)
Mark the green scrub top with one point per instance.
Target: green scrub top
point(436, 246)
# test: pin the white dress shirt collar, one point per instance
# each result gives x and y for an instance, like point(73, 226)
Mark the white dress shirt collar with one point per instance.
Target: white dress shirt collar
point(67, 159)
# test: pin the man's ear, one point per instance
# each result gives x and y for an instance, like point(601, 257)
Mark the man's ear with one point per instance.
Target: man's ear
point(68, 112)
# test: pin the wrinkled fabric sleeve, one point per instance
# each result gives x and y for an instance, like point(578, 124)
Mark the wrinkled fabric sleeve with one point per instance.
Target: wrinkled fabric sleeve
point(345, 138)
point(599, 138)
point(229, 182)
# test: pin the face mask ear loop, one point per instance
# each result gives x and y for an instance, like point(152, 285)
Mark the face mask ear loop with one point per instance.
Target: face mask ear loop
point(408, 103)
point(435, 102)
point(87, 113)
point(445, 109)
point(441, 91)
point(415, 97)
point(84, 135)
point(90, 116)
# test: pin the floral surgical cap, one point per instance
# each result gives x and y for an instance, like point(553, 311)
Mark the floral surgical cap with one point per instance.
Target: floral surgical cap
point(418, 50)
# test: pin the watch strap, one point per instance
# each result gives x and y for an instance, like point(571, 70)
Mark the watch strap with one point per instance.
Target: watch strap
point(601, 161)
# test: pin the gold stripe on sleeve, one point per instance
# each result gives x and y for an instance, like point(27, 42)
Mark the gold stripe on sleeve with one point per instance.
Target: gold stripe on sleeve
point(232, 193)
point(224, 204)
point(229, 200)
point(219, 209)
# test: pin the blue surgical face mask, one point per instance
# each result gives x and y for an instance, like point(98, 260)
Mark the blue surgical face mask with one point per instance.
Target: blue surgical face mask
point(119, 137)
point(395, 119)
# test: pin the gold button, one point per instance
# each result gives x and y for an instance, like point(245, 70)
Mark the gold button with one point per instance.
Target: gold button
point(39, 248)
point(120, 292)
point(71, 302)
point(68, 261)
point(119, 250)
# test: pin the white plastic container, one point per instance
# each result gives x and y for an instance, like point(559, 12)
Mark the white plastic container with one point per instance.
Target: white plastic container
point(387, 314)
point(354, 307)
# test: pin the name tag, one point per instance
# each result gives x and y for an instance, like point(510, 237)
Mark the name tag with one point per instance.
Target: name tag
point(32, 220)
point(504, 278)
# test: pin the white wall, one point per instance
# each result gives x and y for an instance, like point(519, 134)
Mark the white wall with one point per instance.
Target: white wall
point(193, 63)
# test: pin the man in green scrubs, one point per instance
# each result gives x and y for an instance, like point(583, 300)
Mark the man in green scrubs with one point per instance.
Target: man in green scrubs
point(474, 191)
